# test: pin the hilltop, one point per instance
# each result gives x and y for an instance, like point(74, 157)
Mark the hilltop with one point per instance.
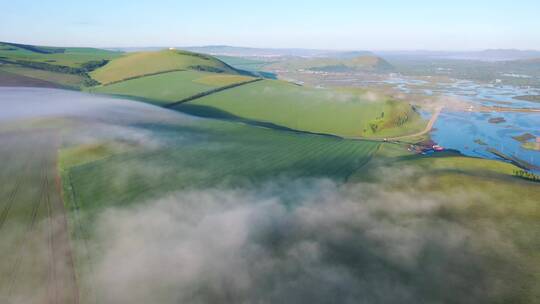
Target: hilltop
point(140, 64)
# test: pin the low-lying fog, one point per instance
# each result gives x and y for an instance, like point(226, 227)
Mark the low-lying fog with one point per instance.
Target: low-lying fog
point(285, 241)
point(39, 103)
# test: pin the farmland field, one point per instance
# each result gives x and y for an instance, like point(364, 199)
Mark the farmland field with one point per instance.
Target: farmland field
point(145, 63)
point(269, 152)
point(8, 79)
point(36, 252)
point(170, 87)
point(61, 79)
point(313, 110)
point(71, 57)
point(117, 156)
point(240, 155)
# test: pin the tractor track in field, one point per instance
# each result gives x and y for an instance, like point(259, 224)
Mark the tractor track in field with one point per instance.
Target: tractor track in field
point(29, 230)
point(12, 195)
point(59, 279)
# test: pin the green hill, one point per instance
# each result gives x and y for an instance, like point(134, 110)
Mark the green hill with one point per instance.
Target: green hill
point(63, 67)
point(312, 110)
point(170, 87)
point(368, 63)
point(139, 64)
point(26, 55)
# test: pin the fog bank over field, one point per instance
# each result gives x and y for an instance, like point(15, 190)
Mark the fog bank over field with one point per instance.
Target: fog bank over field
point(394, 239)
point(40, 103)
point(304, 241)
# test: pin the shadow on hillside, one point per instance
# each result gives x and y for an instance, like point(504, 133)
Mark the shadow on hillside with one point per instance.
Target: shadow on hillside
point(215, 113)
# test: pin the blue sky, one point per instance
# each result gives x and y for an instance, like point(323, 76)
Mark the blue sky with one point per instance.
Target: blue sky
point(329, 24)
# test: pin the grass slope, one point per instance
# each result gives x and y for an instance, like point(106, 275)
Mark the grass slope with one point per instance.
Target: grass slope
point(239, 155)
point(243, 156)
point(170, 87)
point(127, 160)
point(145, 63)
point(70, 57)
point(33, 232)
point(61, 79)
point(313, 110)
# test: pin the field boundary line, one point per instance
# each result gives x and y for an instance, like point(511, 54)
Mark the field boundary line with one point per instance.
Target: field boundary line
point(62, 234)
point(142, 76)
point(210, 92)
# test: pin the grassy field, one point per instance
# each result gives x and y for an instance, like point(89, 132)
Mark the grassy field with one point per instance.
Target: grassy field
point(35, 249)
point(170, 87)
point(194, 156)
point(486, 219)
point(221, 155)
point(481, 195)
point(71, 57)
point(238, 155)
point(314, 110)
point(62, 79)
point(145, 63)
point(8, 79)
point(51, 66)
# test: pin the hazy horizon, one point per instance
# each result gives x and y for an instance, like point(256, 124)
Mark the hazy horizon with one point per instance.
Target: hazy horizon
point(340, 25)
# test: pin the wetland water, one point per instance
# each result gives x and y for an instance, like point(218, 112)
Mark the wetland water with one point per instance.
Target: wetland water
point(472, 132)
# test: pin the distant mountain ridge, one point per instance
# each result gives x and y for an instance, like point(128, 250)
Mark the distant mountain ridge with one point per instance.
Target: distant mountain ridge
point(484, 55)
point(363, 63)
point(224, 50)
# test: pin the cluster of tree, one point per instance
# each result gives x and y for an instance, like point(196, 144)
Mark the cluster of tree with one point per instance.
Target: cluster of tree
point(89, 82)
point(527, 175)
point(36, 49)
point(49, 67)
point(93, 64)
point(374, 127)
point(82, 71)
point(401, 120)
point(205, 68)
point(202, 56)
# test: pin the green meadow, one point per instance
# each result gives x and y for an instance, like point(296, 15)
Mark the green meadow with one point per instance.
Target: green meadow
point(314, 110)
point(222, 155)
point(147, 63)
point(63, 79)
point(169, 87)
point(116, 163)
point(70, 57)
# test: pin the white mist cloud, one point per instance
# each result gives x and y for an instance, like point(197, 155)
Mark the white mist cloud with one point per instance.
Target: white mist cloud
point(310, 241)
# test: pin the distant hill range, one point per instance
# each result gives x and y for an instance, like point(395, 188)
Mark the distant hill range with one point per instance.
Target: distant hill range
point(223, 50)
point(363, 63)
point(485, 55)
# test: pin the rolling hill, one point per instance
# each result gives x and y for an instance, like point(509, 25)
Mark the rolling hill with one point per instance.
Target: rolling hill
point(200, 84)
point(58, 66)
point(307, 109)
point(26, 55)
point(170, 87)
point(147, 63)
